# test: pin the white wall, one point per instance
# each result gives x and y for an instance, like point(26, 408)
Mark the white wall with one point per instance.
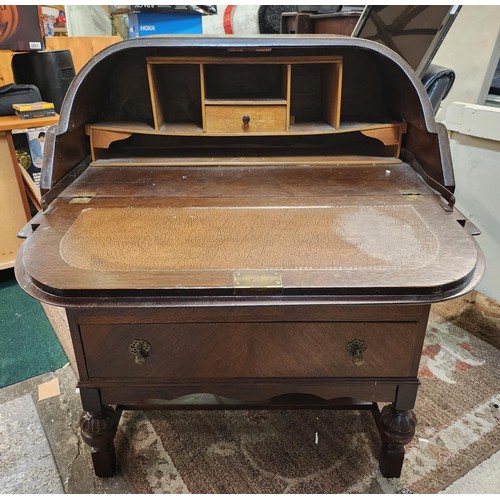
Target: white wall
point(477, 172)
point(471, 49)
point(475, 148)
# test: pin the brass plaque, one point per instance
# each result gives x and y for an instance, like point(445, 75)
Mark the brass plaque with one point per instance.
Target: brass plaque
point(263, 282)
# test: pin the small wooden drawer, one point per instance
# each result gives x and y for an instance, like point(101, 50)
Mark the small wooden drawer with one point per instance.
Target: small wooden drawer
point(245, 119)
point(220, 350)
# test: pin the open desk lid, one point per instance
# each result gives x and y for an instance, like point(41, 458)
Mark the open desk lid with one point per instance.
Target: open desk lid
point(363, 245)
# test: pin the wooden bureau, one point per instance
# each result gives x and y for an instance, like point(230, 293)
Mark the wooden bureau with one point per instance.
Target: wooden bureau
point(266, 219)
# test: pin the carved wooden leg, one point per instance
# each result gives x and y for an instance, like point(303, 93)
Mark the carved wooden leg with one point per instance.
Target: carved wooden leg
point(98, 430)
point(397, 428)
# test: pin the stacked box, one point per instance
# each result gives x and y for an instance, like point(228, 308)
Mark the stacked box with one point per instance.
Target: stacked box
point(34, 110)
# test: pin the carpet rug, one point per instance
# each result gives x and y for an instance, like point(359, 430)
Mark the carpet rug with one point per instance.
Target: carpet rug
point(325, 451)
point(29, 345)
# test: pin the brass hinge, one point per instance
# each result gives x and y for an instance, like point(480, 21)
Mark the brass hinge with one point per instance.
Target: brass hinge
point(82, 198)
point(257, 283)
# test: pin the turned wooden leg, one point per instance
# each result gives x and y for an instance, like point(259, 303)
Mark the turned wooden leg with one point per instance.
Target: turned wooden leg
point(98, 431)
point(397, 428)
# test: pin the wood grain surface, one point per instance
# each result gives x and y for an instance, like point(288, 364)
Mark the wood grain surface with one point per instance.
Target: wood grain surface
point(242, 161)
point(229, 119)
point(219, 350)
point(13, 204)
point(249, 238)
point(451, 258)
point(242, 181)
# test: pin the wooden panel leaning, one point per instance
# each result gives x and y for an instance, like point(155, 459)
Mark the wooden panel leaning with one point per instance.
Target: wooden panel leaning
point(299, 255)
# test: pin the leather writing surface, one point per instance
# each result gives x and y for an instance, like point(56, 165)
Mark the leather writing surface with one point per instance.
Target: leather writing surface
point(226, 238)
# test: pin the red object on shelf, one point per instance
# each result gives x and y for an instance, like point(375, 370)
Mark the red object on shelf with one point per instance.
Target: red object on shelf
point(228, 19)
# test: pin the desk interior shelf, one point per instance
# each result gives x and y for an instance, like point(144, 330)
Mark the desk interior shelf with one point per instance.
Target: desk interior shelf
point(109, 139)
point(217, 98)
point(263, 95)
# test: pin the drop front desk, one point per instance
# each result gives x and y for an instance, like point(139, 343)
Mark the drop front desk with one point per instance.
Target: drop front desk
point(267, 220)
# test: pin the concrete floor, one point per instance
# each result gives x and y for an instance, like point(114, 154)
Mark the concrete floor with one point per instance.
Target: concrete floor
point(73, 467)
point(59, 417)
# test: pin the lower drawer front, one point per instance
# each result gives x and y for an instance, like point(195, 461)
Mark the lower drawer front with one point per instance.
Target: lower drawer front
point(229, 119)
point(219, 350)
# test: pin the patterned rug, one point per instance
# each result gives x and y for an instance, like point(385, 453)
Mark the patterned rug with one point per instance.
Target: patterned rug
point(324, 451)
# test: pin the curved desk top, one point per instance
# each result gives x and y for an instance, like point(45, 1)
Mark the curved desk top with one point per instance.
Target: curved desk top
point(188, 230)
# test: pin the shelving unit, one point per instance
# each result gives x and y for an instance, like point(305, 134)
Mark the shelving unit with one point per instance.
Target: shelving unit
point(264, 96)
point(13, 200)
point(176, 95)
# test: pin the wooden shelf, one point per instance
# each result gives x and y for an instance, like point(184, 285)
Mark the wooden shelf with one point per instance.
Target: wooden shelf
point(122, 126)
point(297, 128)
point(104, 134)
point(193, 129)
point(246, 102)
point(361, 126)
point(308, 92)
point(13, 197)
point(13, 122)
point(244, 161)
point(180, 129)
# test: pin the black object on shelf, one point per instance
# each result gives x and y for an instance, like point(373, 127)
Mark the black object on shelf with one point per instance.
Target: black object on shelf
point(14, 94)
point(51, 71)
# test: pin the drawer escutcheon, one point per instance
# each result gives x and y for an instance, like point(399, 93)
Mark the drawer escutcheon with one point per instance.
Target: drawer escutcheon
point(356, 349)
point(140, 349)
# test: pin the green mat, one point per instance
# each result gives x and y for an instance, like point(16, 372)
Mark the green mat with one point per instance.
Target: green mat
point(28, 344)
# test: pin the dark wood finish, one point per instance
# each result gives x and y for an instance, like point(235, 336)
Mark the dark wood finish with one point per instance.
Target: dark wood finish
point(98, 428)
point(337, 23)
point(342, 23)
point(290, 265)
point(227, 350)
point(60, 268)
point(397, 429)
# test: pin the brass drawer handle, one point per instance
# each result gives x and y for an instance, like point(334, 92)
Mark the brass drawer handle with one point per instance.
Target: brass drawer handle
point(140, 349)
point(246, 120)
point(356, 349)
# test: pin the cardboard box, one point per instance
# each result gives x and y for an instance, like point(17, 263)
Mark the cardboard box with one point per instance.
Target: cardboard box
point(21, 28)
point(34, 109)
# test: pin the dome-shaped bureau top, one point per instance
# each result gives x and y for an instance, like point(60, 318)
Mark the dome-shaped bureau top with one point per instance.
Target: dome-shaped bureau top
point(253, 218)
